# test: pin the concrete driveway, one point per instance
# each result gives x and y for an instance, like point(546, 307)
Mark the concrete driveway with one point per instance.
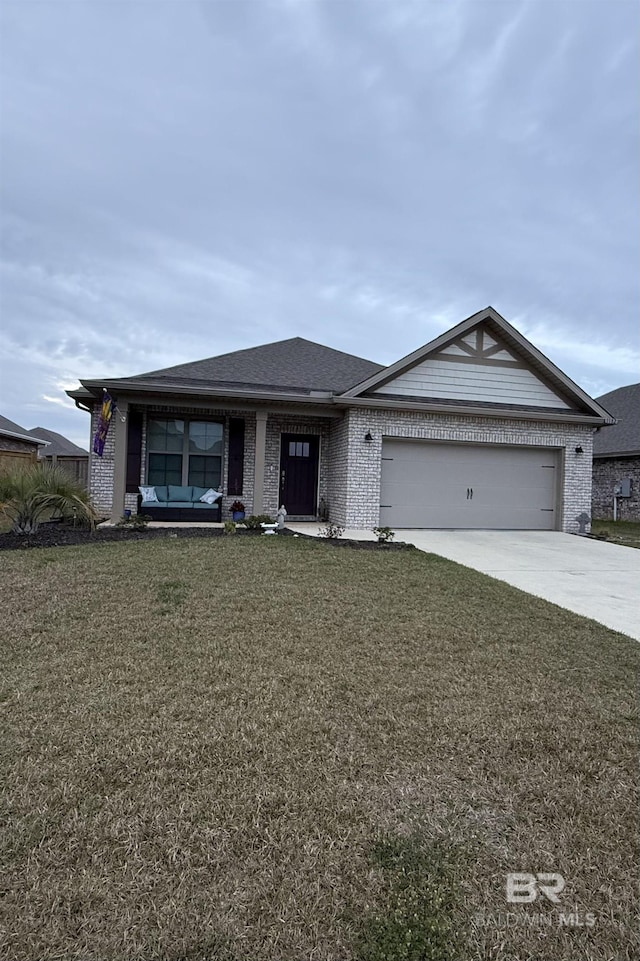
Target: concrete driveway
point(592, 578)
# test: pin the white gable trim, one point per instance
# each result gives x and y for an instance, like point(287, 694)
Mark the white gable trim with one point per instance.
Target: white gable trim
point(540, 366)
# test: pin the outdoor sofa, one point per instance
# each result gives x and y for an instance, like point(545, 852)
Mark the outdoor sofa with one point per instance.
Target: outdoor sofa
point(180, 503)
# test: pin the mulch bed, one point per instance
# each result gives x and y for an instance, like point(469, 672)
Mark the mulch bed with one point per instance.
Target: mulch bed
point(61, 535)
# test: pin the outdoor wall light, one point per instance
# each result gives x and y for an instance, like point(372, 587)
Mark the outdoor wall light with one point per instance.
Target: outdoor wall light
point(368, 437)
point(579, 450)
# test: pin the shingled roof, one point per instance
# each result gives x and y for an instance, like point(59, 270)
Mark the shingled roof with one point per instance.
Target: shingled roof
point(624, 437)
point(10, 429)
point(295, 365)
point(59, 445)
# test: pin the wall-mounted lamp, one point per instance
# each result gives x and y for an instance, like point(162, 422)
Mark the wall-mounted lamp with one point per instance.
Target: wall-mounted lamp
point(368, 437)
point(579, 450)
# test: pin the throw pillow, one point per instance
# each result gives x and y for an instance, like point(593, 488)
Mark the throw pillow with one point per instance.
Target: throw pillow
point(211, 496)
point(148, 493)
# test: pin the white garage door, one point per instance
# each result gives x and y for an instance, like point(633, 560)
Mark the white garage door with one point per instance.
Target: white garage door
point(468, 486)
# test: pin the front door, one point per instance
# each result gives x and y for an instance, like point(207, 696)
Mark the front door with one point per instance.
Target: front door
point(299, 473)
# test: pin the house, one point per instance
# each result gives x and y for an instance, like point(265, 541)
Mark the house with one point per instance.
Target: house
point(63, 452)
point(17, 445)
point(477, 429)
point(616, 456)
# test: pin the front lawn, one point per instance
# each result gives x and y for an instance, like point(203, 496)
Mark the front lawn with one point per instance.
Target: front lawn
point(271, 749)
point(626, 533)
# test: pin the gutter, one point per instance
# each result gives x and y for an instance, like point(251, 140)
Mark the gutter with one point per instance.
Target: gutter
point(37, 442)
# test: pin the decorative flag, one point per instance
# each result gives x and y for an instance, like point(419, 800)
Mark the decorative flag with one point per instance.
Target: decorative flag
point(103, 424)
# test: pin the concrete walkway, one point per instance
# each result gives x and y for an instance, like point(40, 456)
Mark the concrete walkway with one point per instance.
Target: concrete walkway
point(590, 577)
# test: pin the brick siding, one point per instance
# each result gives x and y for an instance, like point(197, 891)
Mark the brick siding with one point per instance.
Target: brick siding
point(349, 471)
point(355, 480)
point(607, 472)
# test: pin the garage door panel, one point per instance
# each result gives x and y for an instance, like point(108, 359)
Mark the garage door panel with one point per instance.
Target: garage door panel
point(468, 486)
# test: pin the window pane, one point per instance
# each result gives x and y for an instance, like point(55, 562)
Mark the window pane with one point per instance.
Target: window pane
point(165, 435)
point(205, 471)
point(165, 469)
point(205, 436)
point(298, 449)
point(292, 448)
point(305, 450)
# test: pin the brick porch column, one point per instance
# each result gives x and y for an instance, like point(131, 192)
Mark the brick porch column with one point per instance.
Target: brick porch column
point(120, 422)
point(261, 443)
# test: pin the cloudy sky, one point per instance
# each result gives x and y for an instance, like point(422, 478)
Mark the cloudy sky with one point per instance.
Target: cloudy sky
point(186, 178)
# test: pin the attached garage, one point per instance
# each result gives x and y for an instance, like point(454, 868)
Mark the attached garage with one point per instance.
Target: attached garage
point(427, 484)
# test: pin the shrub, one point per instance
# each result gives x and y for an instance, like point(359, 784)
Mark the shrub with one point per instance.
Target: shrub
point(384, 534)
point(135, 522)
point(254, 521)
point(230, 527)
point(32, 494)
point(331, 530)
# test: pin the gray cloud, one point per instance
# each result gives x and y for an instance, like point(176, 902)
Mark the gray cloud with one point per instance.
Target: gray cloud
point(182, 179)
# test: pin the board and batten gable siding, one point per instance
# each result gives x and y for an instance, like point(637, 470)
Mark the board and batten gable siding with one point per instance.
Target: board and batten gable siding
point(475, 368)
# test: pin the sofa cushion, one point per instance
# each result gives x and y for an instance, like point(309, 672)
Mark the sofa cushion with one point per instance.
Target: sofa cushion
point(176, 504)
point(162, 493)
point(198, 505)
point(180, 493)
point(197, 492)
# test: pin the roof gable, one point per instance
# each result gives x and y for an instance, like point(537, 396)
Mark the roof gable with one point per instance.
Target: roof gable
point(484, 361)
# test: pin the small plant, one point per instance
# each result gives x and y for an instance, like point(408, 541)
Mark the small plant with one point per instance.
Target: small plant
point(230, 527)
point(134, 522)
point(331, 530)
point(384, 534)
point(254, 521)
point(237, 507)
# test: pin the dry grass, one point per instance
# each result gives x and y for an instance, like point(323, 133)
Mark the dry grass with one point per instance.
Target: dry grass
point(272, 749)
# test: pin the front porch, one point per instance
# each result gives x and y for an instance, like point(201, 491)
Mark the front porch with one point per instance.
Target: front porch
point(261, 457)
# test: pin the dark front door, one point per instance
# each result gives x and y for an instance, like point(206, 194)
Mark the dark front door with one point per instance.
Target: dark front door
point(299, 473)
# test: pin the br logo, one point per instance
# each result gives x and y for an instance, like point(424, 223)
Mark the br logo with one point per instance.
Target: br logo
point(523, 888)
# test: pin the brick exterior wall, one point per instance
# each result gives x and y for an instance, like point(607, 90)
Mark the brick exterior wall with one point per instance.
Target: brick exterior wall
point(20, 446)
point(349, 471)
point(355, 484)
point(607, 472)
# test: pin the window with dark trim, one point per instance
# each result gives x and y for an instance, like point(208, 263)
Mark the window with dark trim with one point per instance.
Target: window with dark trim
point(181, 451)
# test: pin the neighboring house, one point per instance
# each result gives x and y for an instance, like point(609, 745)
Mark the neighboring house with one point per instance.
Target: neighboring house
point(17, 445)
point(64, 453)
point(616, 456)
point(475, 430)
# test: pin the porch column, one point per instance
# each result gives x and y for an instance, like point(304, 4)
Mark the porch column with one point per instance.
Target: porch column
point(120, 422)
point(261, 443)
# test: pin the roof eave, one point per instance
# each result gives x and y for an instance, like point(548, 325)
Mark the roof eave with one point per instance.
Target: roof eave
point(616, 453)
point(470, 409)
point(132, 388)
point(36, 441)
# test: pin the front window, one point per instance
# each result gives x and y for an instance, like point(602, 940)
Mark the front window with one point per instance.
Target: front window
point(184, 452)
